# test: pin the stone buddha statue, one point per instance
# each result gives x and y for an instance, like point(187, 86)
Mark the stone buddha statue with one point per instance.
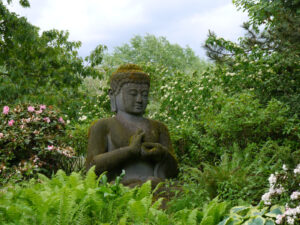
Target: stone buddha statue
point(129, 141)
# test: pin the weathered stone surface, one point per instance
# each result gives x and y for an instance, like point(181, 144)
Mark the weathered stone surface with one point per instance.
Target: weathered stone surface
point(129, 141)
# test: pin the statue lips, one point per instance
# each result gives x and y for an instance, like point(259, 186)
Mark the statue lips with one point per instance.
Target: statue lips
point(138, 106)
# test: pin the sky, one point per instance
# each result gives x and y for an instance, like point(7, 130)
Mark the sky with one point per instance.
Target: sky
point(114, 22)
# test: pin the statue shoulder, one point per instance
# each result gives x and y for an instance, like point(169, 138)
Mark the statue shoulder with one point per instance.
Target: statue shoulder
point(101, 125)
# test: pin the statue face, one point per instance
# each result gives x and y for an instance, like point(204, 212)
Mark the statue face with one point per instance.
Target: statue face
point(133, 98)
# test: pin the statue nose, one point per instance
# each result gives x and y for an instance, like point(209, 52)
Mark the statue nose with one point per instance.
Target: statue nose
point(139, 98)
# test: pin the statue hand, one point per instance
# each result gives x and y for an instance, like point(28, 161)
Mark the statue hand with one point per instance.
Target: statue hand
point(136, 141)
point(154, 151)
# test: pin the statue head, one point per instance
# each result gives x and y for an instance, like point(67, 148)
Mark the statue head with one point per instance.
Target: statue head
point(129, 89)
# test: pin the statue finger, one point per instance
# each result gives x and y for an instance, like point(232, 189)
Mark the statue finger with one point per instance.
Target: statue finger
point(151, 144)
point(147, 146)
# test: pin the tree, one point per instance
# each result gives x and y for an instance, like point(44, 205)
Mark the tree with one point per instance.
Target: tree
point(157, 51)
point(33, 64)
point(267, 58)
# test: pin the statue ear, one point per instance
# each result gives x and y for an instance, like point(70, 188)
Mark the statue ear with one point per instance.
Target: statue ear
point(113, 104)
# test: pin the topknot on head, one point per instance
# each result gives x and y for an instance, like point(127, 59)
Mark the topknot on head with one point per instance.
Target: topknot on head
point(128, 73)
point(129, 68)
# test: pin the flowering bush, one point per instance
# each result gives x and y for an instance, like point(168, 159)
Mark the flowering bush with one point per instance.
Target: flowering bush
point(31, 141)
point(284, 189)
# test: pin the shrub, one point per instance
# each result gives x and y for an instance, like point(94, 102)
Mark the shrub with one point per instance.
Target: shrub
point(92, 106)
point(78, 137)
point(87, 200)
point(31, 140)
point(284, 189)
point(205, 122)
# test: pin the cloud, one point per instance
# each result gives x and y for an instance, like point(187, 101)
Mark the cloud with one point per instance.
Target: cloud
point(114, 22)
point(225, 21)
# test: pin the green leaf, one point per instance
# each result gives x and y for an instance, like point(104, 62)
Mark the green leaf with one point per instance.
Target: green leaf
point(255, 221)
point(137, 210)
point(269, 222)
point(208, 220)
point(91, 178)
point(230, 221)
point(275, 210)
point(192, 218)
point(144, 191)
point(240, 210)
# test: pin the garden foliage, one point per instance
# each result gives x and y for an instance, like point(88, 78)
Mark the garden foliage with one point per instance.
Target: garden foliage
point(31, 141)
point(234, 123)
point(39, 67)
point(267, 59)
point(91, 200)
point(284, 189)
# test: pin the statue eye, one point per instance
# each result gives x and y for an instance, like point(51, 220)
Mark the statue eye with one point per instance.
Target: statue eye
point(133, 92)
point(145, 93)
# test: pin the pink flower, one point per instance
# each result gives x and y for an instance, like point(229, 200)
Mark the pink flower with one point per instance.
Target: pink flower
point(1, 135)
point(50, 147)
point(11, 122)
point(5, 110)
point(30, 109)
point(42, 107)
point(47, 119)
point(61, 120)
point(39, 111)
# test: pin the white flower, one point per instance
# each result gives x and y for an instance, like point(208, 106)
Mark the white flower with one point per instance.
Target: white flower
point(279, 190)
point(297, 169)
point(228, 74)
point(272, 179)
point(272, 191)
point(295, 195)
point(82, 118)
point(279, 218)
point(266, 198)
point(290, 220)
point(291, 212)
point(284, 167)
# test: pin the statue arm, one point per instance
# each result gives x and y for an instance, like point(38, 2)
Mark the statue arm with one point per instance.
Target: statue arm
point(98, 154)
point(162, 153)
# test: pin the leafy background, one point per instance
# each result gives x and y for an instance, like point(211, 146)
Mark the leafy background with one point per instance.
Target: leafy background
point(233, 120)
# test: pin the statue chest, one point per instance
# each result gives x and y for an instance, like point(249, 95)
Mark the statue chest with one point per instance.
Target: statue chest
point(119, 136)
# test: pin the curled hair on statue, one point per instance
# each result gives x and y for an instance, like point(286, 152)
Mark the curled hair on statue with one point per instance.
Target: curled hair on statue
point(128, 73)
